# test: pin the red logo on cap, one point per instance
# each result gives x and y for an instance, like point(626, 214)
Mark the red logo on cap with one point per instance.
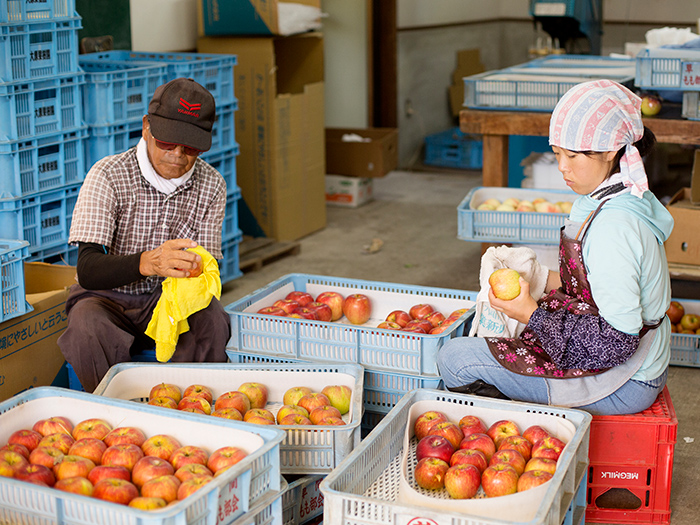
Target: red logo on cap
point(190, 109)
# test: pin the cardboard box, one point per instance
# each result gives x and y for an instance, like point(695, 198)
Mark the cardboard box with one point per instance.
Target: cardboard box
point(468, 63)
point(257, 17)
point(280, 129)
point(29, 355)
point(348, 192)
point(683, 245)
point(373, 158)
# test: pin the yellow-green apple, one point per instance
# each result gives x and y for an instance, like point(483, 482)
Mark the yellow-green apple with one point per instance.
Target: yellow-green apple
point(256, 419)
point(651, 105)
point(189, 454)
point(34, 473)
point(163, 402)
point(93, 427)
point(260, 412)
point(505, 283)
point(91, 448)
point(450, 430)
point(193, 470)
point(513, 201)
point(331, 420)
point(115, 490)
point(161, 446)
point(199, 391)
point(486, 207)
point(400, 317)
point(545, 464)
point(164, 486)
point(75, 486)
point(434, 446)
point(481, 442)
point(294, 394)
point(149, 467)
point(233, 399)
point(675, 312)
point(548, 447)
point(295, 419)
point(16, 447)
point(425, 421)
point(59, 440)
point(291, 409)
point(502, 429)
point(191, 486)
point(225, 457)
point(335, 301)
point(525, 206)
point(472, 425)
point(125, 436)
point(228, 413)
point(109, 471)
point(419, 311)
point(538, 200)
point(320, 413)
point(532, 478)
point(430, 473)
point(27, 437)
point(14, 459)
point(47, 456)
point(125, 455)
point(322, 310)
point(435, 318)
point(313, 400)
point(199, 403)
point(166, 390)
point(357, 308)
point(388, 325)
point(547, 207)
point(304, 313)
point(303, 298)
point(462, 481)
point(565, 206)
point(534, 433)
point(471, 457)
point(53, 425)
point(690, 322)
point(143, 503)
point(6, 470)
point(499, 479)
point(272, 310)
point(510, 456)
point(518, 443)
point(505, 207)
point(492, 202)
point(256, 392)
point(340, 397)
point(423, 325)
point(73, 466)
point(288, 305)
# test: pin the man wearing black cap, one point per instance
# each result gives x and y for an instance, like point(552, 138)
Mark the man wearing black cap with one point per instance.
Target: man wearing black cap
point(136, 215)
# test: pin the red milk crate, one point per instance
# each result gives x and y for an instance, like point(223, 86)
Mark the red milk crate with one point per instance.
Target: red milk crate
point(631, 465)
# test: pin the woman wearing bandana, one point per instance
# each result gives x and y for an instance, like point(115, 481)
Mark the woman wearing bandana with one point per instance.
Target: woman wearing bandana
point(599, 339)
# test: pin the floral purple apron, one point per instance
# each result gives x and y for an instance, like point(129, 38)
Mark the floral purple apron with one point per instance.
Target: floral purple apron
point(525, 355)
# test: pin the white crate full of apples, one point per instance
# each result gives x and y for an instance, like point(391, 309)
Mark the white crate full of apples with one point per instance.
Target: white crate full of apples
point(361, 334)
point(685, 327)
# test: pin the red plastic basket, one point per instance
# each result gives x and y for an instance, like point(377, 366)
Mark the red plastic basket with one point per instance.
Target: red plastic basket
point(631, 465)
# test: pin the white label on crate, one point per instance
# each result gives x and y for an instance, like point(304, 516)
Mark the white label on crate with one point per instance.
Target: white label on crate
point(311, 503)
point(619, 475)
point(234, 498)
point(406, 519)
point(690, 76)
point(550, 9)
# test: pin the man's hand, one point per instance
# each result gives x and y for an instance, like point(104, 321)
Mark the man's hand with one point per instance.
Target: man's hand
point(171, 259)
point(520, 308)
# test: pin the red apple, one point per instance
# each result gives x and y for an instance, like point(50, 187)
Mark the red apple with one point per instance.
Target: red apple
point(313, 400)
point(28, 438)
point(75, 486)
point(149, 467)
point(16, 447)
point(195, 410)
point(318, 414)
point(435, 318)
point(462, 481)
point(124, 455)
point(6, 470)
point(433, 446)
point(199, 391)
point(61, 441)
point(166, 390)
point(322, 310)
point(94, 428)
point(532, 478)
point(340, 397)
point(73, 466)
point(295, 419)
point(91, 448)
point(357, 308)
point(163, 402)
point(189, 454)
point(287, 305)
point(272, 310)
point(258, 420)
point(507, 455)
point(294, 394)
point(430, 473)
point(690, 322)
point(423, 324)
point(164, 487)
point(14, 459)
point(125, 436)
point(192, 470)
point(399, 317)
point(256, 392)
point(450, 430)
point(471, 457)
point(233, 399)
point(443, 326)
point(545, 464)
point(331, 421)
point(305, 313)
point(47, 456)
point(303, 298)
point(518, 443)
point(459, 312)
point(259, 412)
point(534, 433)
point(502, 429)
point(335, 301)
point(198, 403)
point(425, 421)
point(291, 409)
point(108, 471)
point(500, 479)
point(34, 473)
point(53, 425)
point(225, 457)
point(481, 442)
point(472, 425)
point(115, 490)
point(191, 486)
point(675, 312)
point(143, 503)
point(228, 413)
point(161, 446)
point(548, 447)
point(388, 325)
point(419, 311)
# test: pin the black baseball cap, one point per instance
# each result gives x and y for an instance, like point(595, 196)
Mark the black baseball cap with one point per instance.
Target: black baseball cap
point(182, 112)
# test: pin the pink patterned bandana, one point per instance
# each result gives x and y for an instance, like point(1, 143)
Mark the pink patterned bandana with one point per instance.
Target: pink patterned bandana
point(602, 115)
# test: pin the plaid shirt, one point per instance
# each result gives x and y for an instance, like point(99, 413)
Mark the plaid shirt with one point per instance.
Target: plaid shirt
point(119, 209)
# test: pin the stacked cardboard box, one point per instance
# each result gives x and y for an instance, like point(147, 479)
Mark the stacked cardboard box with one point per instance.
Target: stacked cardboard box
point(683, 245)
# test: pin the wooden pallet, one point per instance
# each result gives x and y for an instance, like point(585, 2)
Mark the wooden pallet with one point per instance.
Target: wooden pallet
point(255, 252)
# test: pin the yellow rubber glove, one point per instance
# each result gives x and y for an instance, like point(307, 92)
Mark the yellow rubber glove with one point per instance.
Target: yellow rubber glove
point(181, 298)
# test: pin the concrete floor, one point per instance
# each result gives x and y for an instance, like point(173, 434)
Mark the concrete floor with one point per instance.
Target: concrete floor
point(414, 214)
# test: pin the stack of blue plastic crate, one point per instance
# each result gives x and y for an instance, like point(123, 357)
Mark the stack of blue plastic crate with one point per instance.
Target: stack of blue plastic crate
point(42, 133)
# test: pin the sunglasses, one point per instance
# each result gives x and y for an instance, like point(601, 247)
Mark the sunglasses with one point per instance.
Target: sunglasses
point(167, 146)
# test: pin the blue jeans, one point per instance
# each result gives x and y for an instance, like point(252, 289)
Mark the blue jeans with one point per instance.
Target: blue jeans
point(463, 360)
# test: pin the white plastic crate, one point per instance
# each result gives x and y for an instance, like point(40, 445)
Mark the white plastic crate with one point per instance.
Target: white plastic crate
point(661, 68)
point(510, 226)
point(248, 483)
point(364, 489)
point(341, 342)
point(685, 348)
point(302, 500)
point(305, 449)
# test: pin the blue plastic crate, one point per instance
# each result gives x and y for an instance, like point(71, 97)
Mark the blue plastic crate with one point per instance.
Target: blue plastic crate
point(63, 254)
point(685, 348)
point(661, 68)
point(224, 161)
point(374, 348)
point(620, 69)
point(230, 230)
point(223, 133)
point(12, 256)
point(39, 107)
point(454, 149)
point(112, 139)
point(691, 105)
point(39, 50)
point(37, 165)
point(43, 219)
point(14, 11)
point(510, 226)
point(229, 266)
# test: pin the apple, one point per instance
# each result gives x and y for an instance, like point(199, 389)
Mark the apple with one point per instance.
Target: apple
point(534, 433)
point(287, 305)
point(651, 105)
point(430, 473)
point(335, 301)
point(304, 313)
point(424, 325)
point(164, 487)
point(91, 448)
point(313, 400)
point(518, 443)
point(149, 467)
point(34, 473)
point(507, 455)
point(565, 206)
point(419, 311)
point(109, 471)
point(256, 392)
point(675, 312)
point(481, 442)
point(189, 454)
point(450, 430)
point(125, 436)
point(388, 325)
point(471, 457)
point(303, 298)
point(6, 470)
point(259, 412)
point(399, 317)
point(357, 308)
point(27, 437)
point(294, 394)
point(199, 391)
point(295, 419)
point(532, 478)
point(505, 283)
point(53, 425)
point(502, 429)
point(459, 312)
point(61, 441)
point(225, 457)
point(548, 447)
point(547, 207)
point(143, 503)
point(339, 396)
point(272, 310)
point(233, 399)
point(545, 464)
point(192, 402)
point(195, 410)
point(163, 402)
point(73, 466)
point(291, 409)
point(228, 413)
point(690, 322)
point(47, 456)
point(115, 490)
point(442, 327)
point(16, 447)
point(425, 421)
point(322, 310)
point(191, 485)
point(166, 390)
point(192, 470)
point(161, 446)
point(462, 481)
point(434, 446)
point(435, 318)
point(12, 458)
point(472, 425)
point(499, 479)
point(331, 420)
point(318, 414)
point(124, 455)
point(94, 428)
point(525, 206)
point(76, 485)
